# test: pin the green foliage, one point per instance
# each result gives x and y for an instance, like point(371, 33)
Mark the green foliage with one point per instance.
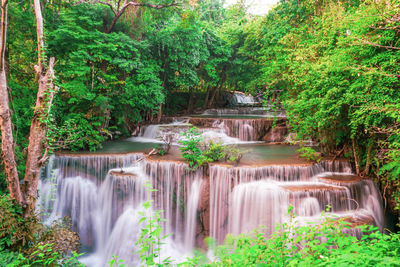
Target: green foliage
point(309, 153)
point(150, 239)
point(317, 244)
point(15, 231)
point(334, 66)
point(196, 153)
point(37, 244)
point(115, 262)
point(192, 150)
point(103, 78)
point(75, 134)
point(233, 154)
point(215, 151)
point(10, 258)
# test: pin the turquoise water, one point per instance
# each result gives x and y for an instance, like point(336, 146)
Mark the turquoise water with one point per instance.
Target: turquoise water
point(253, 153)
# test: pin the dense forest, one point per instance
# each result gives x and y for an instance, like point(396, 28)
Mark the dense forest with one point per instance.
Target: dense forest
point(332, 65)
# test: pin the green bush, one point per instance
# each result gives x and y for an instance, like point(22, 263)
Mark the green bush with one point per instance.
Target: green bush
point(37, 244)
point(192, 150)
point(309, 153)
point(314, 244)
point(215, 151)
point(10, 258)
point(15, 231)
point(197, 154)
point(233, 154)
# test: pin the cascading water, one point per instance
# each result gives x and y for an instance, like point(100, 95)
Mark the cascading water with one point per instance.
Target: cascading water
point(106, 212)
point(244, 112)
point(246, 197)
point(156, 133)
point(104, 194)
point(240, 99)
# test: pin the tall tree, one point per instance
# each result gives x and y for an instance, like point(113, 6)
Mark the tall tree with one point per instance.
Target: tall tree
point(7, 140)
point(44, 99)
point(35, 157)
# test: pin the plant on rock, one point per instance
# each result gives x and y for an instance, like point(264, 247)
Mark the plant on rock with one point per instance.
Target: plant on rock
point(309, 153)
point(192, 150)
point(215, 151)
point(196, 153)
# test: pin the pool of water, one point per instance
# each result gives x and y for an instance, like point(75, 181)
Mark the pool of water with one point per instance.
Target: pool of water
point(254, 154)
point(124, 146)
point(270, 154)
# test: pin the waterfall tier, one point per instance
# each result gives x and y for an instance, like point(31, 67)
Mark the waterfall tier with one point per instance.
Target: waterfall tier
point(103, 195)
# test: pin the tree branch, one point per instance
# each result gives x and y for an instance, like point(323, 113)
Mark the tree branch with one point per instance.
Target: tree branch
point(376, 45)
point(121, 9)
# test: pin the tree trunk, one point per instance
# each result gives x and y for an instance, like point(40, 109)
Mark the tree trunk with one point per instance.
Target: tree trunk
point(368, 163)
point(159, 114)
point(356, 161)
point(217, 88)
point(213, 93)
point(190, 104)
point(205, 104)
point(38, 128)
point(7, 140)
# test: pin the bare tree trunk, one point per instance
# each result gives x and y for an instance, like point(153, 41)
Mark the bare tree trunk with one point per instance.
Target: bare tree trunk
point(38, 129)
point(7, 140)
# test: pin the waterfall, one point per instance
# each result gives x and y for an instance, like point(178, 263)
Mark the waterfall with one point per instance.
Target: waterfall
point(191, 214)
point(246, 197)
point(104, 195)
point(245, 111)
point(254, 204)
point(156, 133)
point(240, 99)
point(105, 208)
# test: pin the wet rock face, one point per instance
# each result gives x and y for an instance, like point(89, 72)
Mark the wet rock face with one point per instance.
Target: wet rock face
point(246, 129)
point(203, 226)
point(276, 134)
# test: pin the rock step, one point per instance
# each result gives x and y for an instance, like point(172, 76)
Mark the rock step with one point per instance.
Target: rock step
point(340, 179)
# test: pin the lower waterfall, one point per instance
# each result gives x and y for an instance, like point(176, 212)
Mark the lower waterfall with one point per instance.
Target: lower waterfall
point(103, 196)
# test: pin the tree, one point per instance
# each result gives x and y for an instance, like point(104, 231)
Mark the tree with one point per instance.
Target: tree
point(35, 157)
point(119, 7)
point(44, 99)
point(7, 140)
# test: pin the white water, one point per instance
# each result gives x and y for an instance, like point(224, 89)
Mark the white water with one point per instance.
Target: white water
point(245, 111)
point(103, 195)
point(106, 214)
point(218, 133)
point(242, 199)
point(241, 99)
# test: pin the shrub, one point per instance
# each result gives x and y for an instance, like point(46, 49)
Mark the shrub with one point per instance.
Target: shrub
point(315, 244)
point(191, 149)
point(36, 243)
point(15, 231)
point(215, 151)
point(197, 154)
point(233, 154)
point(309, 153)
